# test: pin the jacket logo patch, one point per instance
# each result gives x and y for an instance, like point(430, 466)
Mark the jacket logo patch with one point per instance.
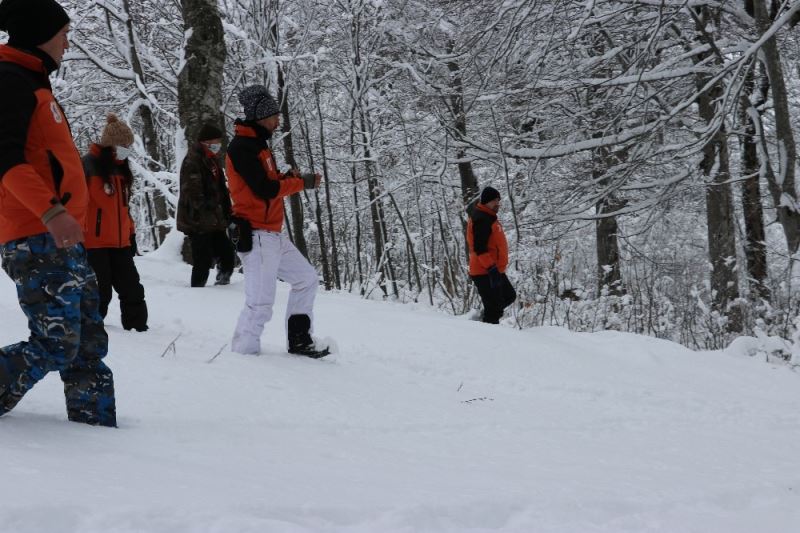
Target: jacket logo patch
point(56, 113)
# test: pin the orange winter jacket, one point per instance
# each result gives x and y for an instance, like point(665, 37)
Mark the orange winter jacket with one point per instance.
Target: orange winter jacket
point(257, 187)
point(487, 242)
point(40, 168)
point(109, 223)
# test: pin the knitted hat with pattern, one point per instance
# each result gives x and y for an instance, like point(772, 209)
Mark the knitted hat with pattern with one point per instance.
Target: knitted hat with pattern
point(258, 103)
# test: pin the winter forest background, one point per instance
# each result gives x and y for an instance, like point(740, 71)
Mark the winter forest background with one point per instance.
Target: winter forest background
point(645, 149)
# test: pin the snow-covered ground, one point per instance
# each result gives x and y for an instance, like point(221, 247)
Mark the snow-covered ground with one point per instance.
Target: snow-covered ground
point(422, 422)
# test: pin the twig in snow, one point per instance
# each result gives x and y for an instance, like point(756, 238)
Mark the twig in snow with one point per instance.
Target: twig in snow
point(217, 354)
point(459, 387)
point(483, 399)
point(171, 346)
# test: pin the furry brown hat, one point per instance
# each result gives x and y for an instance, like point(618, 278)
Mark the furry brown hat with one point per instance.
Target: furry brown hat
point(116, 133)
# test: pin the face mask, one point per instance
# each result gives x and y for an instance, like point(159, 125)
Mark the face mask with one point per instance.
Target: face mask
point(214, 148)
point(123, 153)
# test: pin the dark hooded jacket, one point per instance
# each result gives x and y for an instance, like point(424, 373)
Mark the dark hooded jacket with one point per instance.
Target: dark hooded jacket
point(204, 204)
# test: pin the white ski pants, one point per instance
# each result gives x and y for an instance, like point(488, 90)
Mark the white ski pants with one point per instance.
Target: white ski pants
point(273, 257)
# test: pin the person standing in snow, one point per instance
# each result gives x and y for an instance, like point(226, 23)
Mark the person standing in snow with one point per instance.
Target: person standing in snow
point(43, 201)
point(204, 208)
point(488, 256)
point(257, 190)
point(111, 235)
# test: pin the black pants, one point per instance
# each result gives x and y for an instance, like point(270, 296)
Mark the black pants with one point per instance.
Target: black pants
point(206, 247)
point(495, 300)
point(115, 268)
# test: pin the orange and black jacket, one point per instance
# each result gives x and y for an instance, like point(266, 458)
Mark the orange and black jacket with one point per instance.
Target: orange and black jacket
point(108, 221)
point(487, 242)
point(256, 185)
point(41, 174)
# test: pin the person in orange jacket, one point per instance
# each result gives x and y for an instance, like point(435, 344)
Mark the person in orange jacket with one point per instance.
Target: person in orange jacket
point(488, 256)
point(43, 201)
point(111, 235)
point(257, 190)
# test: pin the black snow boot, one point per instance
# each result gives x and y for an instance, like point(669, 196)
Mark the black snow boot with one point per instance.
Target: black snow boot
point(300, 341)
point(223, 278)
point(134, 316)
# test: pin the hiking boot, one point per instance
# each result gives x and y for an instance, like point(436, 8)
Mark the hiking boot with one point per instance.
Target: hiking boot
point(300, 340)
point(223, 278)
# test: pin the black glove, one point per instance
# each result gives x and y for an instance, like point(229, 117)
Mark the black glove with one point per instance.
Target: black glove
point(240, 232)
point(134, 247)
point(495, 278)
point(309, 180)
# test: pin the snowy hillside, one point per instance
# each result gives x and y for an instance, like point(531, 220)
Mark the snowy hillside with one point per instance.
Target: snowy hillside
point(421, 422)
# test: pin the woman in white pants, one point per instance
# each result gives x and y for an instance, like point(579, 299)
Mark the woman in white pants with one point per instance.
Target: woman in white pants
point(257, 191)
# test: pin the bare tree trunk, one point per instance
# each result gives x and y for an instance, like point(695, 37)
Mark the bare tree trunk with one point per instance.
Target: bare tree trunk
point(149, 133)
point(376, 208)
point(755, 248)
point(376, 211)
point(295, 203)
point(200, 81)
point(609, 269)
point(719, 203)
point(469, 183)
point(354, 176)
point(609, 273)
point(781, 187)
point(323, 248)
point(326, 176)
point(413, 262)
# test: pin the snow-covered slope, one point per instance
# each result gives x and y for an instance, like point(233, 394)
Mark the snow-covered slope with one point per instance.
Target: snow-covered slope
point(421, 422)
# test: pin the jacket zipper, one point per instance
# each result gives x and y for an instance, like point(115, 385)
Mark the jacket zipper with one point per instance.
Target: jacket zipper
point(119, 211)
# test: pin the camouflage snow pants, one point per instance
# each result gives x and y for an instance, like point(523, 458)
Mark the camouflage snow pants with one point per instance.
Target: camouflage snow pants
point(57, 291)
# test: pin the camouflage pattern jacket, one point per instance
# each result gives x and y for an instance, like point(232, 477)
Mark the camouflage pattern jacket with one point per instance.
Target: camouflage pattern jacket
point(204, 204)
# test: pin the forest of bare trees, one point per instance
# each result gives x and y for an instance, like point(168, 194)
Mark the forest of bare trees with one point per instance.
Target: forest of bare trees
point(645, 149)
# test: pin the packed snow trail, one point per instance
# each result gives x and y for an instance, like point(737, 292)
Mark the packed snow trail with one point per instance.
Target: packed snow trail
point(422, 422)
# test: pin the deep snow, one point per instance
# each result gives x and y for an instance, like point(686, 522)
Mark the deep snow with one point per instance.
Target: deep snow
point(421, 422)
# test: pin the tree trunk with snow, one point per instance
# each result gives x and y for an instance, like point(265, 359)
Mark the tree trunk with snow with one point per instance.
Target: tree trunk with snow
point(295, 202)
point(755, 247)
point(469, 183)
point(781, 187)
point(200, 80)
point(715, 166)
point(160, 209)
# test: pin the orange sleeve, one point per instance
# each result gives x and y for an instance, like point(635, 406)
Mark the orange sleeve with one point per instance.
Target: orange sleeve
point(486, 260)
point(290, 186)
point(30, 189)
